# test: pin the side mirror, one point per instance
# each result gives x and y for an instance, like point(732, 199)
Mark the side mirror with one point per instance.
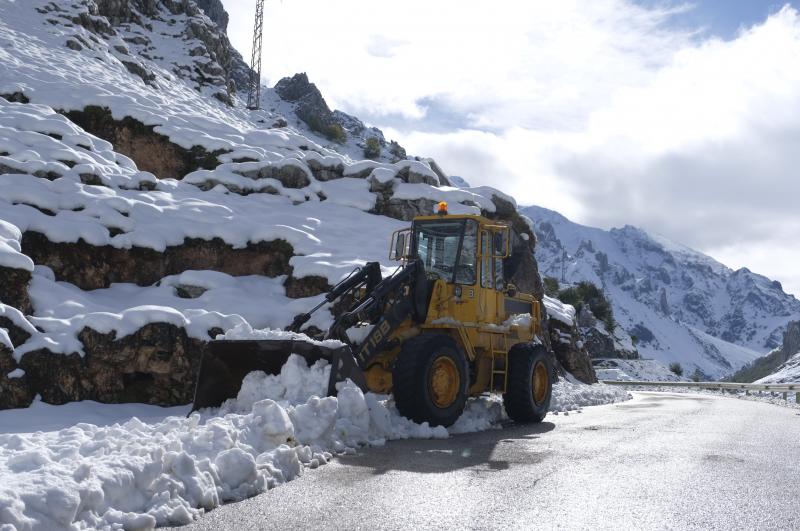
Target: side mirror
point(400, 239)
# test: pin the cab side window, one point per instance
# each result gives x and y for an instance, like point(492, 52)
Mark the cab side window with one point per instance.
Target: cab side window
point(466, 270)
point(499, 281)
point(486, 260)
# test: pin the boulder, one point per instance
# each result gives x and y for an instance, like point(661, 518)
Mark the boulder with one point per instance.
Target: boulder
point(569, 350)
point(310, 106)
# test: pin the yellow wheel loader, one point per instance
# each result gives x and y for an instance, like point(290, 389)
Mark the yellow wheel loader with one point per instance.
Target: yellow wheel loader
point(443, 327)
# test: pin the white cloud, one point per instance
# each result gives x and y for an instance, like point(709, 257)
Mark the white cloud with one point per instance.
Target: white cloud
point(597, 109)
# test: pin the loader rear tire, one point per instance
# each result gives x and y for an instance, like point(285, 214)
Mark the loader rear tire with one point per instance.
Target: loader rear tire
point(530, 383)
point(430, 380)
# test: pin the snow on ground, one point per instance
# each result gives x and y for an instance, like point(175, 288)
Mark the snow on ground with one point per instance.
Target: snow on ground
point(43, 417)
point(641, 370)
point(768, 397)
point(129, 466)
point(788, 372)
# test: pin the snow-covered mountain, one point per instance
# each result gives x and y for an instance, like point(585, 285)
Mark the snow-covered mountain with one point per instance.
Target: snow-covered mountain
point(681, 305)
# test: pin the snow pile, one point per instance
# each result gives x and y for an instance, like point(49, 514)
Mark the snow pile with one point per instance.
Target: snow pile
point(139, 475)
point(572, 395)
point(789, 372)
point(169, 472)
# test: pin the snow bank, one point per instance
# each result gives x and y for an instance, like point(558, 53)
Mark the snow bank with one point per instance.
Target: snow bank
point(139, 475)
point(573, 395)
point(169, 472)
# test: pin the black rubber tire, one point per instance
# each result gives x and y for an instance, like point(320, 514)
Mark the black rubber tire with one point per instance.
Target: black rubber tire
point(411, 376)
point(518, 399)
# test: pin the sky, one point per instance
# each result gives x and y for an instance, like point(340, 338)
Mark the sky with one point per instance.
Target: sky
point(682, 118)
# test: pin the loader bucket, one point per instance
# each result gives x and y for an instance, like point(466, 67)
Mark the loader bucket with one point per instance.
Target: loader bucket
point(227, 362)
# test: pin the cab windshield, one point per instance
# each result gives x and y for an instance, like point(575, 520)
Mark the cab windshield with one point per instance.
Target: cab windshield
point(447, 249)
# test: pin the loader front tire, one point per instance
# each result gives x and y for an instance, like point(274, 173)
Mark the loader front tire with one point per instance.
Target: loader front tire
point(430, 380)
point(530, 383)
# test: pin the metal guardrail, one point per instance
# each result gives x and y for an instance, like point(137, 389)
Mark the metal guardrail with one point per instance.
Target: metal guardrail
point(783, 388)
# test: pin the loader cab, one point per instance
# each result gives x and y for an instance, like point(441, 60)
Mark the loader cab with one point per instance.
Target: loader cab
point(466, 252)
point(447, 248)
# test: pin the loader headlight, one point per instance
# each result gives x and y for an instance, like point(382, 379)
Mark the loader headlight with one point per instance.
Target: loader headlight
point(458, 291)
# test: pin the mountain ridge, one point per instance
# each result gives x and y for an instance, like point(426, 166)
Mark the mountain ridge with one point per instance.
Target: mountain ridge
point(685, 299)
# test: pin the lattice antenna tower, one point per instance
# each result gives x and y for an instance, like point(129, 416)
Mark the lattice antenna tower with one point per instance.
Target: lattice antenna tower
point(254, 92)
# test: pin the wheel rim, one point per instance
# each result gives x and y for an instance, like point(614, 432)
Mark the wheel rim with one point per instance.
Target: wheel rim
point(539, 382)
point(444, 382)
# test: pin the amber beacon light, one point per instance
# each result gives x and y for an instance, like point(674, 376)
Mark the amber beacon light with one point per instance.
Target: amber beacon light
point(442, 208)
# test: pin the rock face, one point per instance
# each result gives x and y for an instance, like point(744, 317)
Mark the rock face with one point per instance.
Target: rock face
point(791, 338)
point(309, 104)
point(769, 364)
point(149, 150)
point(224, 60)
point(311, 108)
point(15, 390)
point(90, 267)
point(156, 365)
point(599, 342)
point(215, 11)
point(570, 351)
point(14, 288)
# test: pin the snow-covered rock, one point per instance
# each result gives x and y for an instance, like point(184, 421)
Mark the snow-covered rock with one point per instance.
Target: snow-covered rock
point(638, 370)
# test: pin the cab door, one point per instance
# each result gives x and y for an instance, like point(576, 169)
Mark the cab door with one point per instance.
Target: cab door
point(487, 296)
point(493, 285)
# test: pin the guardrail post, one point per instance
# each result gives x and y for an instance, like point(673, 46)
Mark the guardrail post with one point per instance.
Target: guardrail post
point(797, 398)
point(747, 392)
point(784, 395)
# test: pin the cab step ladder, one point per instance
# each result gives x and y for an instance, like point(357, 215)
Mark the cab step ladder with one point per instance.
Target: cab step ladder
point(498, 347)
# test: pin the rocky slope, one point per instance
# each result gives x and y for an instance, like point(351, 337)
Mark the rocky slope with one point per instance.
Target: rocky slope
point(680, 305)
point(144, 210)
point(779, 366)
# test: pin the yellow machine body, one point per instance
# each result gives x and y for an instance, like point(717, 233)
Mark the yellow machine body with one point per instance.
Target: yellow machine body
point(486, 318)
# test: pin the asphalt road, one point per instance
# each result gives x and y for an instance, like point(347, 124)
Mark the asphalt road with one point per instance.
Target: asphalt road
point(659, 461)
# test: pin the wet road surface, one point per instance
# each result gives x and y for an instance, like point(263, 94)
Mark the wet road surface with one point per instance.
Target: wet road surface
point(659, 461)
